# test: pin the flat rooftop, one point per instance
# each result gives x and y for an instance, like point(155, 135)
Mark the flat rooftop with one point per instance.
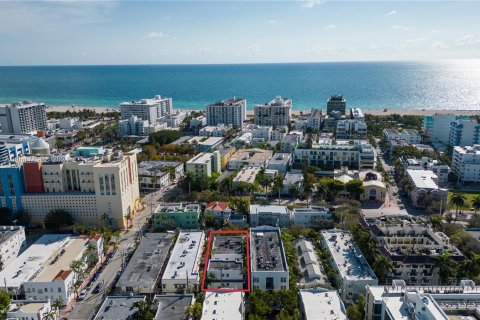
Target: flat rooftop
point(223, 306)
point(228, 102)
point(146, 264)
point(178, 207)
point(311, 209)
point(151, 167)
point(32, 260)
point(61, 260)
point(118, 307)
point(187, 250)
point(173, 307)
point(204, 157)
point(347, 257)
point(266, 250)
point(227, 244)
point(259, 209)
point(247, 175)
point(27, 306)
point(200, 140)
point(255, 155)
point(322, 304)
point(280, 158)
point(423, 179)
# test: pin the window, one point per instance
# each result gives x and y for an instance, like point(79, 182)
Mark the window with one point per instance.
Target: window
point(283, 279)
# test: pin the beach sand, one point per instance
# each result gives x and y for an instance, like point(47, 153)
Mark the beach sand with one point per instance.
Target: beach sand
point(423, 112)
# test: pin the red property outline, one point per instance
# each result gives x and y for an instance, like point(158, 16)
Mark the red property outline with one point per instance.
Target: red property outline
point(209, 246)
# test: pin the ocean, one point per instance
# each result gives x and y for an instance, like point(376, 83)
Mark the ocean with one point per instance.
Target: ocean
point(451, 85)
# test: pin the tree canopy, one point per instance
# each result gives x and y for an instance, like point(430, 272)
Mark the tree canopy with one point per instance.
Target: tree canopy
point(57, 219)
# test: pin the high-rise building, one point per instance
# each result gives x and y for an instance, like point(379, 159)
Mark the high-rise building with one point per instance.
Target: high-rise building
point(93, 190)
point(466, 163)
point(23, 117)
point(336, 103)
point(147, 109)
point(437, 126)
point(232, 111)
point(274, 113)
point(464, 132)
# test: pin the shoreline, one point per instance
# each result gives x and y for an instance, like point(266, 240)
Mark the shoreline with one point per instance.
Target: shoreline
point(377, 112)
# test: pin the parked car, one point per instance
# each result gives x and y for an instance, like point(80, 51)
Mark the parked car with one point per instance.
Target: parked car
point(89, 285)
point(82, 294)
point(95, 276)
point(97, 288)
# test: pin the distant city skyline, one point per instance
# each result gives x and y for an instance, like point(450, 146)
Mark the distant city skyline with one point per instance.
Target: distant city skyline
point(69, 32)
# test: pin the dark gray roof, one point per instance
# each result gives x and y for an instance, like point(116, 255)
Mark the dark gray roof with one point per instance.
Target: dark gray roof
point(173, 307)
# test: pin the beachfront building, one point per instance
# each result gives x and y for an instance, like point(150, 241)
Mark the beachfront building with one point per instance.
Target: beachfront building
point(423, 188)
point(336, 103)
point(274, 113)
point(12, 243)
point(147, 109)
point(326, 153)
point(92, 190)
point(154, 175)
point(268, 264)
point(28, 309)
point(23, 117)
point(321, 304)
point(464, 132)
point(412, 249)
point(351, 129)
point(183, 268)
point(223, 306)
point(177, 215)
point(204, 163)
point(249, 158)
point(356, 113)
point(466, 163)
point(437, 127)
point(144, 269)
point(269, 215)
point(309, 216)
point(232, 111)
point(354, 272)
point(425, 163)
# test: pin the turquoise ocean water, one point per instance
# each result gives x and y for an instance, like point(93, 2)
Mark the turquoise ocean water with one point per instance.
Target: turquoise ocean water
point(370, 85)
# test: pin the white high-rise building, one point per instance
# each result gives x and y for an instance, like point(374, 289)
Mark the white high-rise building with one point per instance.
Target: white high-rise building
point(232, 111)
point(274, 113)
point(437, 126)
point(23, 117)
point(466, 163)
point(464, 133)
point(147, 109)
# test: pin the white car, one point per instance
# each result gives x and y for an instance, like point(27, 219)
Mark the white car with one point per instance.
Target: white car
point(82, 294)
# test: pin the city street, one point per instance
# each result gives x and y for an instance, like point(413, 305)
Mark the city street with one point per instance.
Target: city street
point(85, 309)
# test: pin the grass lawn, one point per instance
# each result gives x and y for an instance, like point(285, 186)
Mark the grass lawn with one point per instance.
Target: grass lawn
point(469, 196)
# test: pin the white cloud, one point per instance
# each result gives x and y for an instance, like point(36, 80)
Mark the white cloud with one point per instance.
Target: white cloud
point(466, 40)
point(439, 45)
point(330, 27)
point(271, 21)
point(402, 28)
point(156, 34)
point(416, 40)
point(311, 3)
point(391, 13)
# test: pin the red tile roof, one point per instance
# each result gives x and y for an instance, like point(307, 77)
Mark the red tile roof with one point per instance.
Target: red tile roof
point(62, 275)
point(217, 206)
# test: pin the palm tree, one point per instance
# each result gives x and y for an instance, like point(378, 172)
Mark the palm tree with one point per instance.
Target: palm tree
point(446, 266)
point(278, 184)
point(436, 221)
point(57, 304)
point(49, 315)
point(382, 267)
point(307, 191)
point(77, 267)
point(294, 191)
point(458, 200)
point(476, 204)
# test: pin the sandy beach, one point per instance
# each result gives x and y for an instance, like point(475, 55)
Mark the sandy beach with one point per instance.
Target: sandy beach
point(422, 112)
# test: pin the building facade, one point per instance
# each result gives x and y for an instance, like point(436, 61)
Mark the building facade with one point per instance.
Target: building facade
point(204, 164)
point(466, 163)
point(269, 215)
point(464, 133)
point(177, 215)
point(232, 111)
point(147, 109)
point(274, 113)
point(23, 117)
point(336, 103)
point(12, 242)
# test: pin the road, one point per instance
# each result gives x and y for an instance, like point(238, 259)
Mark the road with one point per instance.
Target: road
point(85, 309)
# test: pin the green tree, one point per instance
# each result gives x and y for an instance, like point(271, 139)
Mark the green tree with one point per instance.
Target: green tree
point(57, 304)
point(294, 191)
point(57, 219)
point(78, 267)
point(23, 218)
point(5, 216)
point(355, 188)
point(144, 310)
point(356, 311)
point(163, 137)
point(476, 204)
point(382, 267)
point(436, 221)
point(49, 315)
point(4, 303)
point(446, 266)
point(195, 310)
point(307, 191)
point(458, 200)
point(278, 185)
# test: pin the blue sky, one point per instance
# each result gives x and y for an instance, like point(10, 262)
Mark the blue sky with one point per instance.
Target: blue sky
point(171, 32)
